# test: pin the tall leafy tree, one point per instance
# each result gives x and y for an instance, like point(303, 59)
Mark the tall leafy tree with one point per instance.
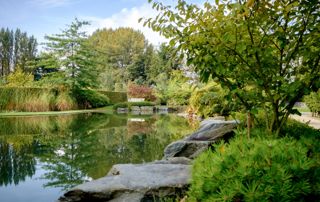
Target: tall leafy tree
point(16, 50)
point(76, 57)
point(265, 52)
point(122, 55)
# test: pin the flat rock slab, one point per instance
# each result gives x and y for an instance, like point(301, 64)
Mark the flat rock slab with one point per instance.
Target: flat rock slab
point(133, 180)
point(212, 129)
point(209, 132)
point(184, 148)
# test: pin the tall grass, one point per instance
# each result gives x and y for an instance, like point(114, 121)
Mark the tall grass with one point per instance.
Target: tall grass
point(34, 99)
point(65, 102)
point(26, 99)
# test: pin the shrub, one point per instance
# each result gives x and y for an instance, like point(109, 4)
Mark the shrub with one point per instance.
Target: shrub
point(87, 98)
point(256, 170)
point(138, 91)
point(313, 102)
point(19, 78)
point(115, 97)
point(210, 100)
point(121, 105)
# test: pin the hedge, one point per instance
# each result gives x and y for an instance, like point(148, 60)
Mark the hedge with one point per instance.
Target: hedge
point(115, 97)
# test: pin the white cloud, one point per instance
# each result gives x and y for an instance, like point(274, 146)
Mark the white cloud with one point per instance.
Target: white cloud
point(50, 3)
point(128, 18)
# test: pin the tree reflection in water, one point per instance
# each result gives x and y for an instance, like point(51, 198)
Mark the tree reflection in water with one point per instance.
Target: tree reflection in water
point(16, 164)
point(78, 148)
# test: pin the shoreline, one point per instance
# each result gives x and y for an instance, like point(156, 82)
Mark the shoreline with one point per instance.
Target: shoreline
point(52, 113)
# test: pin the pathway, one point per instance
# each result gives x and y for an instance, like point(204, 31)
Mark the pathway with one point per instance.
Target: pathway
point(307, 118)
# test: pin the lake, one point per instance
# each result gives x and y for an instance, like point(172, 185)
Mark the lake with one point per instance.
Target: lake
point(43, 156)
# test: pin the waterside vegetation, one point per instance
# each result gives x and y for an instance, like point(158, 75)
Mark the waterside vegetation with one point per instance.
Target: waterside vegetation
point(247, 60)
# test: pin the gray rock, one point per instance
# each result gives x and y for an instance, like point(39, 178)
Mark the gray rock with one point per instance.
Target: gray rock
point(135, 108)
point(146, 108)
point(128, 197)
point(212, 130)
point(183, 148)
point(209, 132)
point(174, 160)
point(122, 110)
point(125, 180)
point(162, 108)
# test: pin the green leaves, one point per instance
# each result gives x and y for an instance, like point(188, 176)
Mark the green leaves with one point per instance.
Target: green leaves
point(263, 49)
point(75, 55)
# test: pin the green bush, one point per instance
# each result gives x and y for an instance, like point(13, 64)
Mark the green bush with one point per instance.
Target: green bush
point(19, 78)
point(174, 92)
point(313, 102)
point(210, 100)
point(87, 98)
point(115, 97)
point(121, 105)
point(140, 104)
point(256, 170)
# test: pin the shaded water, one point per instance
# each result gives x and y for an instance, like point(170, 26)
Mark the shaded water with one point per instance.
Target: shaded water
point(42, 156)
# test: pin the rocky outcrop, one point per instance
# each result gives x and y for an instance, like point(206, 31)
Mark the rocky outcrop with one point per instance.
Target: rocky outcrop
point(162, 178)
point(133, 183)
point(209, 132)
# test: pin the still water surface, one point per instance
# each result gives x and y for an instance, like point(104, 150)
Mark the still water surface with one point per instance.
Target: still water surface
point(42, 156)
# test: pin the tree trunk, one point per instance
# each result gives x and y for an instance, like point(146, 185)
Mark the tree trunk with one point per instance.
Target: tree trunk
point(249, 123)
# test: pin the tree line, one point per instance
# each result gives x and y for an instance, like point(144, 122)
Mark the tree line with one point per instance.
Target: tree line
point(108, 59)
point(16, 49)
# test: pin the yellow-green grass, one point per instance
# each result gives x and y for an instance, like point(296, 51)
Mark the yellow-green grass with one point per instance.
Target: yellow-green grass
point(48, 113)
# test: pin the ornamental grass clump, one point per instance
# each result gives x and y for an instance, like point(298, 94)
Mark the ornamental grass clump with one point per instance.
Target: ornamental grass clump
point(256, 170)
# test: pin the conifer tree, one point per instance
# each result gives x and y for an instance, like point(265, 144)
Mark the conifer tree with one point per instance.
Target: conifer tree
point(75, 56)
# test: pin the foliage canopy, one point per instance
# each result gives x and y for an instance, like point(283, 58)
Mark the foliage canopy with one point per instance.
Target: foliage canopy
point(266, 53)
point(74, 55)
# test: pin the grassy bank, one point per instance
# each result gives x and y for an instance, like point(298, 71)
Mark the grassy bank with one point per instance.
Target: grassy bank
point(107, 110)
point(19, 99)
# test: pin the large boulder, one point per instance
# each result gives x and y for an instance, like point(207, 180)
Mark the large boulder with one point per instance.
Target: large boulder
point(186, 148)
point(209, 132)
point(212, 129)
point(129, 182)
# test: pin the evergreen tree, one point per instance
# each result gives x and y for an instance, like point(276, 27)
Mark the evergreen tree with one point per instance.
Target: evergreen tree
point(75, 56)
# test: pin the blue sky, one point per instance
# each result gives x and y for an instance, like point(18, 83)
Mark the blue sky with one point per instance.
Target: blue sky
point(41, 17)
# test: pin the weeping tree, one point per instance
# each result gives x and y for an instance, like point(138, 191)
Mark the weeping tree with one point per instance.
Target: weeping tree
point(265, 52)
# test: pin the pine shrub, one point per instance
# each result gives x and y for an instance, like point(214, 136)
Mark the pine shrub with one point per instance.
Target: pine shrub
point(256, 170)
point(87, 98)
